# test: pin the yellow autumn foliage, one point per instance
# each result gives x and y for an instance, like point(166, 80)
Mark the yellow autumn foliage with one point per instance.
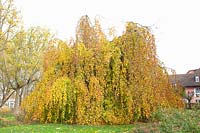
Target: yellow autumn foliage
point(102, 82)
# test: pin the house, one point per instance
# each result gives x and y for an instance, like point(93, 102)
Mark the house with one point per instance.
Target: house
point(190, 82)
point(10, 103)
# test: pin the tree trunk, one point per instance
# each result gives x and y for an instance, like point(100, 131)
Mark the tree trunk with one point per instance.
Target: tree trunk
point(17, 99)
point(189, 104)
point(20, 96)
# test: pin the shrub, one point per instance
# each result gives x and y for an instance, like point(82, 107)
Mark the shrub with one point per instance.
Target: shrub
point(174, 120)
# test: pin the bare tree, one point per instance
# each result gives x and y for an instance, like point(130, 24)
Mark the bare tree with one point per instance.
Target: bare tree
point(189, 97)
point(9, 24)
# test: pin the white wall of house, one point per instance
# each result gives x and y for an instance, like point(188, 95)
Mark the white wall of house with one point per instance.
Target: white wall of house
point(10, 103)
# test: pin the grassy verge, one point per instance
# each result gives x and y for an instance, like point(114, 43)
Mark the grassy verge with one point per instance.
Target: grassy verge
point(67, 128)
point(167, 121)
point(7, 119)
point(9, 124)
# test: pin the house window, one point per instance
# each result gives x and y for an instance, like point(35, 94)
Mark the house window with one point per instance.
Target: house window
point(196, 78)
point(11, 104)
point(174, 84)
point(197, 100)
point(197, 92)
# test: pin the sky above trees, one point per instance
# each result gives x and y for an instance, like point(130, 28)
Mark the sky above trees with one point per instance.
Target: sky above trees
point(174, 23)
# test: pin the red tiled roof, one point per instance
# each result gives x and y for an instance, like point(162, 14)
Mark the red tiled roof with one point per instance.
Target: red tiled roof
point(186, 80)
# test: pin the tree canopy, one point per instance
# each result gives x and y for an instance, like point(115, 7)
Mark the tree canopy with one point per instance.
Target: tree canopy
point(98, 81)
point(21, 53)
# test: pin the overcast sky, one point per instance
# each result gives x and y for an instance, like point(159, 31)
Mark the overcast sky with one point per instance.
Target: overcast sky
point(175, 23)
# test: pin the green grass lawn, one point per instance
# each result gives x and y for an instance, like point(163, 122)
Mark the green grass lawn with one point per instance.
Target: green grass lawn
point(163, 121)
point(8, 124)
point(52, 128)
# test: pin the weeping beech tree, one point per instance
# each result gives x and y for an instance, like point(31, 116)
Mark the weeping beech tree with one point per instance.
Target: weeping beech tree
point(102, 82)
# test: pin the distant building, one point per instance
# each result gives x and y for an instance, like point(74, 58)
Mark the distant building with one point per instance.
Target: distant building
point(10, 103)
point(190, 82)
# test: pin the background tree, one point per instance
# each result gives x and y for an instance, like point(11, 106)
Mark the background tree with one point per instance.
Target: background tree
point(20, 53)
point(9, 26)
point(189, 97)
point(24, 60)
